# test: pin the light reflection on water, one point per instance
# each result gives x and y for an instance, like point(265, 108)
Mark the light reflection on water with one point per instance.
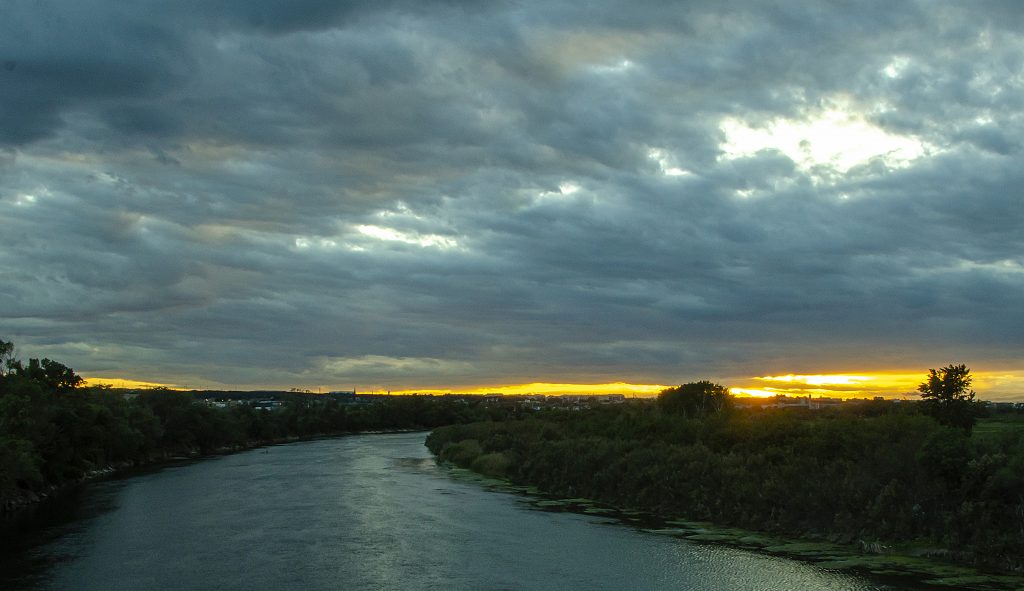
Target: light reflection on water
point(370, 512)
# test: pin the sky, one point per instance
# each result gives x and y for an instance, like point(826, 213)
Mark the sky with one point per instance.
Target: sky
point(450, 195)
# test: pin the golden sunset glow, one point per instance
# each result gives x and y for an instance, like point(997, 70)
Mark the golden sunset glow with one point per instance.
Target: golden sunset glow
point(851, 385)
point(991, 385)
point(755, 392)
point(551, 389)
point(817, 385)
point(817, 380)
point(126, 383)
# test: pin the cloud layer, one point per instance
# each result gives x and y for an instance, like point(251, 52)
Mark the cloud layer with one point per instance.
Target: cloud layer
point(436, 194)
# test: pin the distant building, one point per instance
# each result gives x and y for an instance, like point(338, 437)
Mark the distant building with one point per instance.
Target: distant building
point(267, 404)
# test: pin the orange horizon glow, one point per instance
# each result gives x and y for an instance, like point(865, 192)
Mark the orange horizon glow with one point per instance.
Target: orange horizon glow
point(126, 383)
point(547, 388)
point(992, 385)
point(839, 385)
point(892, 384)
point(817, 379)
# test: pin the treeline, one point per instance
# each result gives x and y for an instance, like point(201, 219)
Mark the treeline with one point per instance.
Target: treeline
point(864, 473)
point(53, 431)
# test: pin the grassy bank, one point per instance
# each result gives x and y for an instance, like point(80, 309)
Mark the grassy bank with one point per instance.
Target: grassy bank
point(909, 563)
point(52, 436)
point(875, 478)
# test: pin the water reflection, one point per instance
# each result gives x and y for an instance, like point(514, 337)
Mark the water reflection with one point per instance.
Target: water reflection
point(368, 512)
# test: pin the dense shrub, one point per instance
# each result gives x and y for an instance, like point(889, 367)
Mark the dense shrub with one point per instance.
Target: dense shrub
point(889, 474)
point(53, 431)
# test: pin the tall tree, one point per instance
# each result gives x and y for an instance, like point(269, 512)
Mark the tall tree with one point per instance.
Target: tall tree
point(52, 374)
point(694, 399)
point(948, 396)
point(6, 357)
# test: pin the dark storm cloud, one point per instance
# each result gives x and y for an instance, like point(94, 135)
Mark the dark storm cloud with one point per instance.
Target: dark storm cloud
point(272, 193)
point(60, 56)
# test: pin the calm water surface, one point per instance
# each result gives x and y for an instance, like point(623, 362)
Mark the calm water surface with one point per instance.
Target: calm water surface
point(364, 512)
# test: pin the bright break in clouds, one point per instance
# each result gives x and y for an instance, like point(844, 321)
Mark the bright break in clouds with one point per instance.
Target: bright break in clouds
point(444, 194)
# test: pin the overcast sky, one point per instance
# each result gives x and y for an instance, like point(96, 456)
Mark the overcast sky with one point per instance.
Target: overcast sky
point(312, 193)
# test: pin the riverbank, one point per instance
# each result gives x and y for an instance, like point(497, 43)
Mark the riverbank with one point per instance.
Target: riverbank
point(371, 512)
point(892, 480)
point(51, 438)
point(22, 500)
point(919, 564)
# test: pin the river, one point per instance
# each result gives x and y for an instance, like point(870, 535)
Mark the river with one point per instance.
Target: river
point(362, 512)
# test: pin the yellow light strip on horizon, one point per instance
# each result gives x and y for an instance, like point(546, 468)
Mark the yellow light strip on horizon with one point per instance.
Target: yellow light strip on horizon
point(548, 388)
point(819, 379)
point(126, 383)
point(1003, 384)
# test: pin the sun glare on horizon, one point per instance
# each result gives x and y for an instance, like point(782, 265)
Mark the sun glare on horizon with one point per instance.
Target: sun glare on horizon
point(126, 383)
point(990, 385)
point(547, 388)
point(840, 385)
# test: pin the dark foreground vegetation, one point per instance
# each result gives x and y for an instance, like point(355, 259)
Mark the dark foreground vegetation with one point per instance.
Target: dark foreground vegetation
point(54, 432)
point(871, 473)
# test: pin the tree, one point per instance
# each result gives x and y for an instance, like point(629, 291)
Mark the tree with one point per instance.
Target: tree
point(694, 399)
point(947, 396)
point(52, 374)
point(7, 359)
point(46, 372)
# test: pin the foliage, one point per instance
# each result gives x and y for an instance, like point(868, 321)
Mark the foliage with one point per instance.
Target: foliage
point(948, 398)
point(695, 399)
point(6, 357)
point(851, 474)
point(52, 431)
point(47, 372)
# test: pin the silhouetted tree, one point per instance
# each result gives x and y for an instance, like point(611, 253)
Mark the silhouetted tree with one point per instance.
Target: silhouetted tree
point(948, 396)
point(694, 399)
point(51, 374)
